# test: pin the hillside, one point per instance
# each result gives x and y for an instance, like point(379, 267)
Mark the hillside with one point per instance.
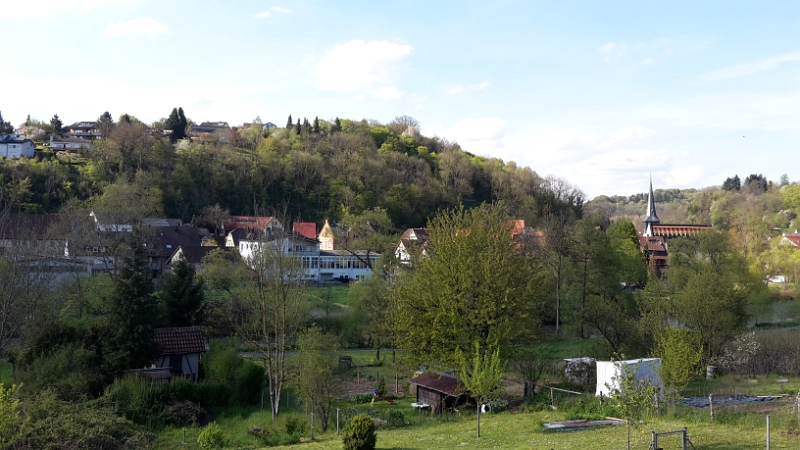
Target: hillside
point(312, 172)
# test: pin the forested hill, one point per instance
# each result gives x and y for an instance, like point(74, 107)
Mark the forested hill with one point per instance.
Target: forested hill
point(318, 171)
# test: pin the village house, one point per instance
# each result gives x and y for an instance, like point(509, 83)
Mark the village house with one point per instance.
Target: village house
point(13, 147)
point(69, 144)
point(85, 130)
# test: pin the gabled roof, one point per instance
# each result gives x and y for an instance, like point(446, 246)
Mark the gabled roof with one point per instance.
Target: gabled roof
point(168, 239)
point(419, 234)
point(180, 340)
point(791, 238)
point(440, 383)
point(249, 222)
point(194, 254)
point(307, 229)
point(653, 243)
point(12, 139)
point(678, 230)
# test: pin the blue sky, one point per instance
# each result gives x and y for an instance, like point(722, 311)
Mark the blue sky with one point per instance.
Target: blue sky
point(599, 93)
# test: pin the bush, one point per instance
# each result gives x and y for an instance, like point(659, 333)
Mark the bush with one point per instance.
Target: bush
point(137, 400)
point(223, 366)
point(360, 434)
point(211, 437)
point(213, 395)
point(382, 386)
point(68, 371)
point(249, 379)
point(362, 398)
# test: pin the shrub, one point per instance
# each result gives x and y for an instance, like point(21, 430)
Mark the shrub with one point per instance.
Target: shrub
point(137, 400)
point(211, 437)
point(360, 434)
point(396, 418)
point(362, 398)
point(248, 382)
point(382, 386)
point(69, 371)
point(213, 395)
point(681, 354)
point(293, 425)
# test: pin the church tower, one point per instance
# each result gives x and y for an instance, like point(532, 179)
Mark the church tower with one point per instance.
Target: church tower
point(652, 218)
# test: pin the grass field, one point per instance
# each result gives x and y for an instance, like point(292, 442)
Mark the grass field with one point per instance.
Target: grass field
point(332, 294)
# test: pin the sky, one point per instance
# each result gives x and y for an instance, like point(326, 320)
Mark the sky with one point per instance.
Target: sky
point(602, 94)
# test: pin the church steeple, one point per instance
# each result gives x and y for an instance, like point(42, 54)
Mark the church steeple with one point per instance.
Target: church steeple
point(651, 218)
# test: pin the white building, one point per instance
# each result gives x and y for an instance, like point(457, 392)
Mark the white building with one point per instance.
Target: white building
point(14, 147)
point(610, 374)
point(318, 265)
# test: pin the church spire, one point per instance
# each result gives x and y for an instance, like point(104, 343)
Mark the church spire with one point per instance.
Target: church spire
point(651, 218)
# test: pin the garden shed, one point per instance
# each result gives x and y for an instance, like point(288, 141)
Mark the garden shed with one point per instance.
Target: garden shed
point(439, 391)
point(609, 374)
point(181, 348)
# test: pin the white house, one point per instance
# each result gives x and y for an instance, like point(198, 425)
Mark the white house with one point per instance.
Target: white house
point(14, 147)
point(70, 144)
point(411, 241)
point(318, 265)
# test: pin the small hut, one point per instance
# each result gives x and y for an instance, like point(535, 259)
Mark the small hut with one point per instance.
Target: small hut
point(439, 391)
point(181, 348)
point(610, 373)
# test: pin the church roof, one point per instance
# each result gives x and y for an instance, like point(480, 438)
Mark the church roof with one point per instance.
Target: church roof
point(678, 230)
point(651, 206)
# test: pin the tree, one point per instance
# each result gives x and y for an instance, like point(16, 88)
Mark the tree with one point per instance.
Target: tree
point(784, 180)
point(373, 302)
point(180, 129)
point(756, 183)
point(274, 294)
point(316, 125)
point(554, 247)
point(681, 354)
point(56, 126)
point(360, 434)
point(128, 341)
point(732, 184)
point(791, 196)
point(337, 126)
point(181, 296)
point(314, 375)
point(476, 285)
point(289, 123)
point(481, 375)
point(5, 127)
point(105, 123)
point(369, 234)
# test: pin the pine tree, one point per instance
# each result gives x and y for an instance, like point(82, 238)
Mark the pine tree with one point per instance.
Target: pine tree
point(299, 127)
point(182, 124)
point(5, 127)
point(105, 124)
point(337, 125)
point(289, 123)
point(306, 125)
point(181, 297)
point(128, 341)
point(316, 125)
point(56, 125)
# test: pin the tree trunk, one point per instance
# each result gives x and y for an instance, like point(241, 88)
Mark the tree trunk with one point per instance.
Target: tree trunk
point(558, 295)
point(378, 353)
point(478, 413)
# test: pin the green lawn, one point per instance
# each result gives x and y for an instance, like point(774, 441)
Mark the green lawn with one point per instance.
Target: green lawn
point(332, 294)
point(572, 347)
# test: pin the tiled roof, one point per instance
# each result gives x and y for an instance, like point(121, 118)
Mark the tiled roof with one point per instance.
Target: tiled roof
point(180, 340)
point(251, 222)
point(654, 243)
point(679, 230)
point(439, 383)
point(307, 229)
point(793, 238)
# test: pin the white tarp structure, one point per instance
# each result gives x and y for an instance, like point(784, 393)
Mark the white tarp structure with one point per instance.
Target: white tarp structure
point(611, 373)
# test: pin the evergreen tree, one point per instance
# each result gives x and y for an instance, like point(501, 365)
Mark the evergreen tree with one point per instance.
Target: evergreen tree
point(56, 125)
point(732, 184)
point(105, 124)
point(337, 125)
point(299, 127)
point(128, 341)
point(181, 297)
point(289, 123)
point(316, 125)
point(306, 125)
point(182, 124)
point(5, 127)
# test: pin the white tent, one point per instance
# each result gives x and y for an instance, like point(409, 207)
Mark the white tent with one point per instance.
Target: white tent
point(610, 373)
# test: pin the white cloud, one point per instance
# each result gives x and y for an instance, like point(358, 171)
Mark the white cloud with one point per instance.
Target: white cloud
point(359, 65)
point(648, 61)
point(483, 85)
point(751, 68)
point(144, 25)
point(268, 13)
point(36, 9)
point(387, 93)
point(608, 47)
point(482, 135)
point(308, 61)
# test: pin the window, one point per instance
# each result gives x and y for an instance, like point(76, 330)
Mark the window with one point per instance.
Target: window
point(169, 245)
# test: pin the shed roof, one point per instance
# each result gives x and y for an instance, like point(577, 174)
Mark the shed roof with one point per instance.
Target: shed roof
point(307, 229)
point(440, 383)
point(180, 340)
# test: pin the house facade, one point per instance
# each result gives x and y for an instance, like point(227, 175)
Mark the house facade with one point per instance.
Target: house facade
point(85, 130)
point(318, 265)
point(69, 144)
point(181, 348)
point(13, 147)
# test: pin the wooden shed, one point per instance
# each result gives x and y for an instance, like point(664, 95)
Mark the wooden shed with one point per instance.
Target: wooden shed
point(181, 348)
point(439, 391)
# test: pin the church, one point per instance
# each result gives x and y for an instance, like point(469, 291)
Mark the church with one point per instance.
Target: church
point(654, 239)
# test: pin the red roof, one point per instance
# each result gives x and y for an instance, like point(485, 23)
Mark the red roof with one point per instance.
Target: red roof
point(793, 238)
point(654, 243)
point(668, 230)
point(440, 383)
point(180, 340)
point(307, 229)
